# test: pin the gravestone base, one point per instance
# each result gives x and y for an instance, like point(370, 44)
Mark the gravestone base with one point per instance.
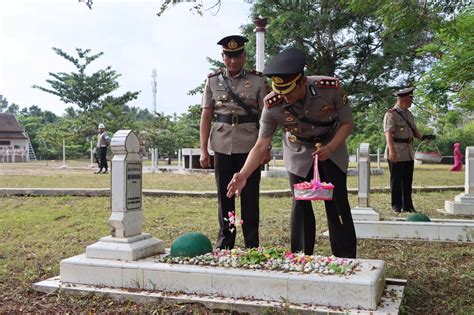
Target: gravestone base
point(361, 290)
point(129, 248)
point(365, 214)
point(389, 302)
point(400, 229)
point(462, 204)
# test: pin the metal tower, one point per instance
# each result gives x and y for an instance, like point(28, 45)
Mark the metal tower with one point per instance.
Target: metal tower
point(153, 88)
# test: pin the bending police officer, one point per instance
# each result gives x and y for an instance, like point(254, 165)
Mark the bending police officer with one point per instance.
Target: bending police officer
point(312, 111)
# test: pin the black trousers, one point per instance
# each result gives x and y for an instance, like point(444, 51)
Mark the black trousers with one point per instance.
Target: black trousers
point(225, 167)
point(401, 180)
point(103, 158)
point(303, 224)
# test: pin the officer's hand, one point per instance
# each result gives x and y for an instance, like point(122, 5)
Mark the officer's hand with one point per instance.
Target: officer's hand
point(236, 185)
point(266, 158)
point(205, 160)
point(392, 155)
point(324, 152)
point(428, 137)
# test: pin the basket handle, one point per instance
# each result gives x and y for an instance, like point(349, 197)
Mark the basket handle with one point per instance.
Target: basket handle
point(418, 147)
point(316, 172)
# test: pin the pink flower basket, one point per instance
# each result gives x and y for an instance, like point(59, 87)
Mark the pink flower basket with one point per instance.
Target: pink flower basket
point(313, 190)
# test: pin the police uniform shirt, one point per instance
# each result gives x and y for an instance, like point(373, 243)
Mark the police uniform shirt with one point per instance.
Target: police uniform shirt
point(323, 102)
point(251, 87)
point(399, 128)
point(101, 140)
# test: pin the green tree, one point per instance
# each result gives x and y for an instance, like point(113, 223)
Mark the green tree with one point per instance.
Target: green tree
point(447, 88)
point(3, 103)
point(370, 45)
point(91, 94)
point(33, 119)
point(187, 127)
point(79, 88)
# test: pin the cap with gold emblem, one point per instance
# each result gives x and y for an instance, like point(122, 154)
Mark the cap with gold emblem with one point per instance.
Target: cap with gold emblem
point(233, 45)
point(285, 70)
point(405, 92)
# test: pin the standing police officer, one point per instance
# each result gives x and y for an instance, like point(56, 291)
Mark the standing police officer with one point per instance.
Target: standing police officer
point(102, 139)
point(233, 97)
point(317, 120)
point(400, 129)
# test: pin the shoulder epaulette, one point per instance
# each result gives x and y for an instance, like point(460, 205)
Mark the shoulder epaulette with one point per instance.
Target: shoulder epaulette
point(215, 73)
point(327, 82)
point(391, 110)
point(255, 72)
point(272, 99)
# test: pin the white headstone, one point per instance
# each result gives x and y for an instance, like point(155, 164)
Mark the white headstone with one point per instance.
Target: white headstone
point(364, 211)
point(92, 155)
point(464, 202)
point(127, 242)
point(64, 155)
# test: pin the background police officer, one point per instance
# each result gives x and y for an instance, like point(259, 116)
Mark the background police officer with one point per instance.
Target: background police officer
point(400, 129)
point(102, 149)
point(312, 111)
point(233, 97)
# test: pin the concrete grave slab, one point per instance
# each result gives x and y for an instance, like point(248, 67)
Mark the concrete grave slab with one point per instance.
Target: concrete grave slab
point(389, 303)
point(363, 289)
point(436, 230)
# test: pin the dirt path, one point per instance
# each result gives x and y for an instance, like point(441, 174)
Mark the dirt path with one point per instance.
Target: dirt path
point(46, 168)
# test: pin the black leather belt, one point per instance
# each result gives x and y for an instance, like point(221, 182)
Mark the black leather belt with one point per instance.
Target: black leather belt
point(236, 119)
point(325, 137)
point(403, 140)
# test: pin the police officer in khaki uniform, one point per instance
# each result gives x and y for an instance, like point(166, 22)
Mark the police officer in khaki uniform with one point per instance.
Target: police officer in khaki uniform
point(233, 98)
point(400, 129)
point(101, 147)
point(316, 120)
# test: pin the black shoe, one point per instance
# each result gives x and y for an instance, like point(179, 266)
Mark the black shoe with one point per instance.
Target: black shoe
point(410, 210)
point(396, 210)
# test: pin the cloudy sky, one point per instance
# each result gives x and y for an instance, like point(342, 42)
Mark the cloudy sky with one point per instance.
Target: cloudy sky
point(134, 41)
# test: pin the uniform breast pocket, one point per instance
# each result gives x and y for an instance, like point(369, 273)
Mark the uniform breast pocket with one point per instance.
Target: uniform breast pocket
point(403, 128)
point(249, 98)
point(221, 96)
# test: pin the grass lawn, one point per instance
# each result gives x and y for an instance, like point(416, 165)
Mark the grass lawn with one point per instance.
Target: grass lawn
point(49, 174)
point(37, 232)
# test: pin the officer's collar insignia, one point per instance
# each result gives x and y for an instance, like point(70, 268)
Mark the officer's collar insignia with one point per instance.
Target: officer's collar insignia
point(313, 91)
point(232, 44)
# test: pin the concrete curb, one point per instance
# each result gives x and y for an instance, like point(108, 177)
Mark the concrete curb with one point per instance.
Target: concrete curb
point(99, 192)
